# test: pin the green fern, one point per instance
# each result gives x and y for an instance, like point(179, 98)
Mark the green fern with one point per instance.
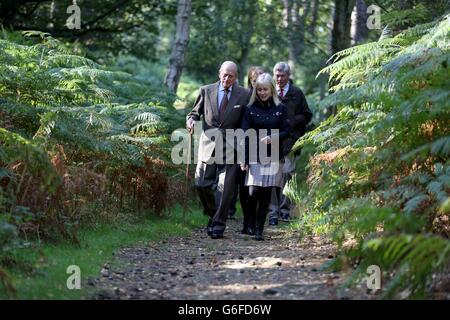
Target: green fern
point(62, 116)
point(379, 174)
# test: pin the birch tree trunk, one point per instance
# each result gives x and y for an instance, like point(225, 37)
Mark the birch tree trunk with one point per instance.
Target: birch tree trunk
point(176, 61)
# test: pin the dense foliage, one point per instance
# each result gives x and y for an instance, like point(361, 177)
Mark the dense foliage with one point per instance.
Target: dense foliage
point(78, 142)
point(379, 178)
point(114, 26)
point(85, 119)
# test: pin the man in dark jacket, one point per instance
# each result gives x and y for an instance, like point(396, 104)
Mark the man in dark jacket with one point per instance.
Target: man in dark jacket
point(299, 116)
point(221, 106)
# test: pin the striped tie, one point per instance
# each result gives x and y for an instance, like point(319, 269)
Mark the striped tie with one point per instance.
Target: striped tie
point(223, 104)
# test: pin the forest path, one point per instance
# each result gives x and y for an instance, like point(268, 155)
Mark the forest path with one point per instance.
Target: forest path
point(235, 267)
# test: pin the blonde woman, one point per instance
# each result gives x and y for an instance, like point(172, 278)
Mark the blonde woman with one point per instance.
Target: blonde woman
point(268, 117)
point(241, 188)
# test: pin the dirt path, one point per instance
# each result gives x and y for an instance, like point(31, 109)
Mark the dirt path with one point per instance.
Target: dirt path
point(236, 267)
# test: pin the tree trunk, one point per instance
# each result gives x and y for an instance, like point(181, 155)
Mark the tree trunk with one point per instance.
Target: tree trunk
point(176, 61)
point(287, 25)
point(340, 34)
point(359, 29)
point(315, 16)
point(295, 26)
point(243, 62)
point(245, 36)
point(50, 23)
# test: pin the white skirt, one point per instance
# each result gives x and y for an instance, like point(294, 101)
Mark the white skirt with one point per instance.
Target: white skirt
point(264, 175)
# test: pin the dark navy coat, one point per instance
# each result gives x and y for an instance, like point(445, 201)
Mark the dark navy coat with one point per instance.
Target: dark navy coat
point(266, 115)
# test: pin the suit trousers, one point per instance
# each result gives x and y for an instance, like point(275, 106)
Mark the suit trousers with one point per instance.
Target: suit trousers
point(215, 184)
point(280, 205)
point(240, 191)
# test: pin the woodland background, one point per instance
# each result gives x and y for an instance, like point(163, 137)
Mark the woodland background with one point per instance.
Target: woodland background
point(86, 116)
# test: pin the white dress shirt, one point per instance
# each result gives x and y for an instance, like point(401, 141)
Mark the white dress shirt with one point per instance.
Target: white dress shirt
point(285, 89)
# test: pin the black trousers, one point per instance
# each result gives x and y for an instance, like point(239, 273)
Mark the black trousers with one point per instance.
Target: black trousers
point(258, 203)
point(215, 184)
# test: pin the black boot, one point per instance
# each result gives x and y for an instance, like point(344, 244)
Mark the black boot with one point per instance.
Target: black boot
point(260, 227)
point(259, 234)
point(251, 226)
point(245, 227)
point(263, 207)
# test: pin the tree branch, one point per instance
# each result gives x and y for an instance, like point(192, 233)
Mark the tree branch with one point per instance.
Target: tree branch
point(75, 33)
point(8, 8)
point(326, 54)
point(27, 15)
point(104, 15)
point(378, 4)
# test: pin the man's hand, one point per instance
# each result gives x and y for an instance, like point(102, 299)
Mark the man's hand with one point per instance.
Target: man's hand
point(190, 125)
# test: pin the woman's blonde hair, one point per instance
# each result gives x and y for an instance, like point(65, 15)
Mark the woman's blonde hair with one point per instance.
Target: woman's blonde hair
point(264, 79)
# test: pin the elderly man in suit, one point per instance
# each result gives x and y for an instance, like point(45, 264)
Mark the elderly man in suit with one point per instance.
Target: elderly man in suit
point(299, 115)
point(220, 106)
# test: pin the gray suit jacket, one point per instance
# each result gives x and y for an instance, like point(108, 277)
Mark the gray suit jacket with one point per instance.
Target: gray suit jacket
point(206, 108)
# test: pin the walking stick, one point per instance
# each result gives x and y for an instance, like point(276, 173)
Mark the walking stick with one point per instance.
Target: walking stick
point(186, 196)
